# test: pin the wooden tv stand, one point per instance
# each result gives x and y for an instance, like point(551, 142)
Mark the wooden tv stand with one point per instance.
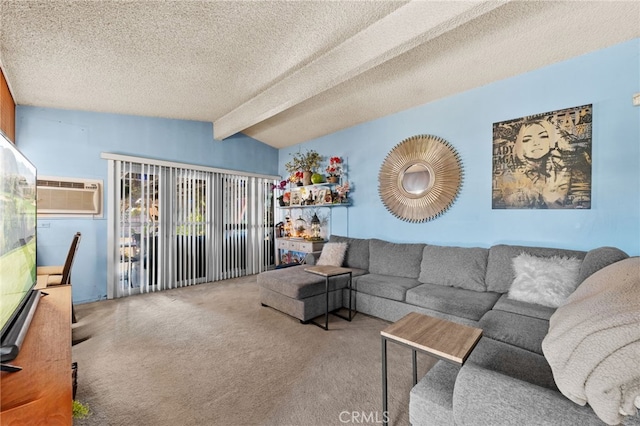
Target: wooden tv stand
point(41, 393)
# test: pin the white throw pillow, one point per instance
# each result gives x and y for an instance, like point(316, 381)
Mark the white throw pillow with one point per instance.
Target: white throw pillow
point(332, 254)
point(546, 281)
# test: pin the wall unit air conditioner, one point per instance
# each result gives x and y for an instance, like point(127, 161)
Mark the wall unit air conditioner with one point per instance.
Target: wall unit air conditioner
point(61, 196)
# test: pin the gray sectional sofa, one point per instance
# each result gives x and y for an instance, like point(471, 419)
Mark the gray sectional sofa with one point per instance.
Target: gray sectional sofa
point(506, 379)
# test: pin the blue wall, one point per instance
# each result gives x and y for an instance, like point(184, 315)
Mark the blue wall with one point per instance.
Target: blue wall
point(69, 143)
point(607, 79)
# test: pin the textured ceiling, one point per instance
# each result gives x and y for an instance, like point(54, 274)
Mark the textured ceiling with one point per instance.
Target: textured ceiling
point(284, 72)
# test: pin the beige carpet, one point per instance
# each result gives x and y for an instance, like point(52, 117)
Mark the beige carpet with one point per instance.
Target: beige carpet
point(212, 355)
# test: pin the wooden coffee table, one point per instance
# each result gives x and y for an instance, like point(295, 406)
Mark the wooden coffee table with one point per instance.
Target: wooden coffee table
point(437, 337)
point(327, 272)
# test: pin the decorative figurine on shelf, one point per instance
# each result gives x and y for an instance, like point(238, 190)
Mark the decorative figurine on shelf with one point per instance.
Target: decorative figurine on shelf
point(334, 169)
point(309, 201)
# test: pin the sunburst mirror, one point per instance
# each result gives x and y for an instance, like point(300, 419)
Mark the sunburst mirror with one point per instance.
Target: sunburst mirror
point(420, 178)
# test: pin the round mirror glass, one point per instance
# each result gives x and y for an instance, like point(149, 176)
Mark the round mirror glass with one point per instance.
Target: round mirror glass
point(416, 179)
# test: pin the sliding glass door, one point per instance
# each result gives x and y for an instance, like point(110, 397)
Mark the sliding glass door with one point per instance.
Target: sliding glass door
point(172, 225)
point(137, 226)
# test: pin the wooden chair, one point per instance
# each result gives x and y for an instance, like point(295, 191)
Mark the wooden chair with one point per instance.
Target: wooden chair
point(59, 275)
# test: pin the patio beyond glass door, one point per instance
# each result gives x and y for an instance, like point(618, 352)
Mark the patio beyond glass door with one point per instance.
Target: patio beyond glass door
point(138, 228)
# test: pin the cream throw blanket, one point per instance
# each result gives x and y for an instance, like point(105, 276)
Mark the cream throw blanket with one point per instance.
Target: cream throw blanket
point(593, 344)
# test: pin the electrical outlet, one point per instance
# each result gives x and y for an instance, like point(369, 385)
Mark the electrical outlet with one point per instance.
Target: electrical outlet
point(636, 99)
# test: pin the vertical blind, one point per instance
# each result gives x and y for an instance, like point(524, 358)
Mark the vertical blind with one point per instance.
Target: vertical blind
point(173, 225)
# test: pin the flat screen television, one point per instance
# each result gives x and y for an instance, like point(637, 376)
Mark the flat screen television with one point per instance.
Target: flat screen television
point(18, 299)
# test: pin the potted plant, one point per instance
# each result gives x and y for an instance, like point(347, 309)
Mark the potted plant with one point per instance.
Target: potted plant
point(307, 162)
point(334, 169)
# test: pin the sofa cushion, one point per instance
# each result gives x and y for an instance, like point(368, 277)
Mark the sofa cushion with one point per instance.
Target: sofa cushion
point(332, 254)
point(296, 283)
point(395, 259)
point(357, 255)
point(455, 301)
point(518, 330)
point(500, 272)
point(522, 308)
point(388, 287)
point(355, 272)
point(546, 281)
point(512, 361)
point(454, 266)
point(597, 259)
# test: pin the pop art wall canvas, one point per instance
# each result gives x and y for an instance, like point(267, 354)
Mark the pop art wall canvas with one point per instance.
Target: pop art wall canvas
point(543, 161)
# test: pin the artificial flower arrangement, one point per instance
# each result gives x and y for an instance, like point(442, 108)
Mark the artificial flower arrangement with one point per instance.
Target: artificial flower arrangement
point(343, 192)
point(306, 163)
point(296, 176)
point(284, 199)
point(335, 167)
point(282, 185)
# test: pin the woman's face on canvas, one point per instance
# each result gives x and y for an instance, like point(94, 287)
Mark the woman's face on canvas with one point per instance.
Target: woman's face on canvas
point(535, 141)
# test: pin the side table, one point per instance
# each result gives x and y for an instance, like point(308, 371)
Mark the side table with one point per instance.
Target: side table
point(436, 337)
point(327, 272)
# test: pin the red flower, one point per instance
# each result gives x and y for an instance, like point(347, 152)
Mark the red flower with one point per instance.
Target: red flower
point(296, 177)
point(335, 166)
